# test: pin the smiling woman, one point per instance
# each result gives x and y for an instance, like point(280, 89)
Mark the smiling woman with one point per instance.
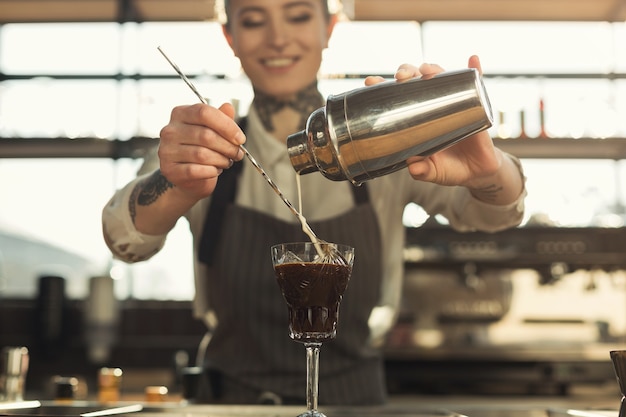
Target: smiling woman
point(120, 108)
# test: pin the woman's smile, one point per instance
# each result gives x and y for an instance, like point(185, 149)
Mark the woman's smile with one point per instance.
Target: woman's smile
point(279, 43)
point(279, 62)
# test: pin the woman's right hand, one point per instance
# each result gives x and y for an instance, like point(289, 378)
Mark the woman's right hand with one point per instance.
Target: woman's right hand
point(198, 143)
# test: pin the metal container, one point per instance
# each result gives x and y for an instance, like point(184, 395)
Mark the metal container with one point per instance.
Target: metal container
point(371, 131)
point(13, 369)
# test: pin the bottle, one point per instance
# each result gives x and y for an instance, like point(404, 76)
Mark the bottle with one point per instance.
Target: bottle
point(51, 316)
point(522, 123)
point(504, 130)
point(101, 319)
point(109, 384)
point(13, 370)
point(371, 131)
point(542, 120)
point(65, 389)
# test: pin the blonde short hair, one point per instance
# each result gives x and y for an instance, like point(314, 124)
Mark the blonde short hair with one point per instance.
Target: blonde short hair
point(221, 9)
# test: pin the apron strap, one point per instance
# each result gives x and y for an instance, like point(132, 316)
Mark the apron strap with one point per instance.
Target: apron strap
point(223, 195)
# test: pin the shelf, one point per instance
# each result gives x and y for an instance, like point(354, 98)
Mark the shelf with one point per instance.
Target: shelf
point(551, 148)
point(483, 10)
point(611, 76)
point(73, 148)
point(562, 148)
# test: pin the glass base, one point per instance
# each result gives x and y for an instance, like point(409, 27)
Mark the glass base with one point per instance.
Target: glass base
point(311, 413)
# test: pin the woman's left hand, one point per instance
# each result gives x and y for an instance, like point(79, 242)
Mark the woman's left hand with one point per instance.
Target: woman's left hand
point(473, 162)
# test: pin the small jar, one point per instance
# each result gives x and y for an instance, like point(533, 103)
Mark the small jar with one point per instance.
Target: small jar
point(156, 394)
point(65, 388)
point(109, 383)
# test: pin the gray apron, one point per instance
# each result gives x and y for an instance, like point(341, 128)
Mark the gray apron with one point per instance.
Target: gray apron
point(251, 357)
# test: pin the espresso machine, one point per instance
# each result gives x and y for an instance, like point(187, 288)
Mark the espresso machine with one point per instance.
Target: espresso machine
point(527, 310)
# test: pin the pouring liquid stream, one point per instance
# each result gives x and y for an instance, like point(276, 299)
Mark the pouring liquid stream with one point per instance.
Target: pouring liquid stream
point(305, 225)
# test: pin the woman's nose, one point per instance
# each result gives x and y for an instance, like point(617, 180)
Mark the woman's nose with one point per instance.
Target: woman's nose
point(278, 35)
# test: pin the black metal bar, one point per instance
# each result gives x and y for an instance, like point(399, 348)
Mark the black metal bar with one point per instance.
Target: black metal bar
point(86, 147)
point(83, 147)
point(85, 77)
point(565, 148)
point(139, 77)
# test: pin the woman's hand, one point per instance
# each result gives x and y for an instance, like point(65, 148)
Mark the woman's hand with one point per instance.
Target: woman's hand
point(473, 162)
point(197, 144)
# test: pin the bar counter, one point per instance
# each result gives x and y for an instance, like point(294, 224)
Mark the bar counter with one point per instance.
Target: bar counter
point(602, 405)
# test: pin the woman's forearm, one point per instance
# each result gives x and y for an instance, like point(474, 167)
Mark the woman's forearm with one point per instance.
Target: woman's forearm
point(505, 186)
point(155, 205)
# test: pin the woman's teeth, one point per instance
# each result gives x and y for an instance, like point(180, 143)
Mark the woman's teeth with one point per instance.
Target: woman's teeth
point(278, 62)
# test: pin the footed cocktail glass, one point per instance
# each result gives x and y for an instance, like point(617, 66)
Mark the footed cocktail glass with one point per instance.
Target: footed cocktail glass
point(312, 278)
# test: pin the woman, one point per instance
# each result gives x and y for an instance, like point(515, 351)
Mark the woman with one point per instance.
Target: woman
point(235, 217)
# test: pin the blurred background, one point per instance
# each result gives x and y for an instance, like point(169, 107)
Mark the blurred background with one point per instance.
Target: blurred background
point(84, 91)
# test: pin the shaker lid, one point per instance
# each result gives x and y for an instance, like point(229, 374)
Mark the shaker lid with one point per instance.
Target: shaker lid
point(299, 154)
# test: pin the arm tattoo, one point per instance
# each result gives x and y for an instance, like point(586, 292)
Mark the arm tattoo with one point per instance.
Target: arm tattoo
point(488, 193)
point(148, 191)
point(153, 187)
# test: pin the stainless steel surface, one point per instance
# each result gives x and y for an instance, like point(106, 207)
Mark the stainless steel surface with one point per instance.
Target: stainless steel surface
point(127, 409)
point(18, 405)
point(371, 131)
point(72, 408)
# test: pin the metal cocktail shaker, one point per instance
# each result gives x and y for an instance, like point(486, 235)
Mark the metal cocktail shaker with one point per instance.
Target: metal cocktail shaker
point(371, 131)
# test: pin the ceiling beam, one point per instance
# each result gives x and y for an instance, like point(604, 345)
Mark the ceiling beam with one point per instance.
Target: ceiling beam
point(520, 10)
point(26, 11)
point(387, 10)
point(176, 10)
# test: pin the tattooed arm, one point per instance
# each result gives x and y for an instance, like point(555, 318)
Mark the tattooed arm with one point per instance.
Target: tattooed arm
point(197, 144)
point(155, 205)
point(124, 240)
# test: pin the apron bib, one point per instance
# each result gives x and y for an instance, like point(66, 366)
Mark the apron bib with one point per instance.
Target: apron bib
point(251, 356)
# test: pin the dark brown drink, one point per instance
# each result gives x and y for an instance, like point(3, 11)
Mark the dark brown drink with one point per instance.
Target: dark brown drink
point(313, 292)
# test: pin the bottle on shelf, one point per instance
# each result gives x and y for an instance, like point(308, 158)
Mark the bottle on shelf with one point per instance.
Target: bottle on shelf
point(522, 123)
point(504, 130)
point(542, 120)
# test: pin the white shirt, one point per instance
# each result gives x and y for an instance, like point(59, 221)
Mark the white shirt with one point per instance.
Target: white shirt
point(322, 198)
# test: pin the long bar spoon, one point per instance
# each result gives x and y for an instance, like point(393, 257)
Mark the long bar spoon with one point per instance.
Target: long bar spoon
point(305, 226)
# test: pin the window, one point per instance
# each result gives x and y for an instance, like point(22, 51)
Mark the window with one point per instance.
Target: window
point(108, 81)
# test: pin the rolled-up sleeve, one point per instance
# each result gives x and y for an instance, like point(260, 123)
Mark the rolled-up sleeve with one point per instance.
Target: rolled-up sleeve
point(471, 214)
point(123, 239)
point(464, 212)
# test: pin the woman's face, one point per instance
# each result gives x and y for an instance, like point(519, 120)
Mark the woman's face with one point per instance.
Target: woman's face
point(279, 42)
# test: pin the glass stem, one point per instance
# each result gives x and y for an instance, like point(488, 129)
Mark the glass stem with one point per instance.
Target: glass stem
point(312, 375)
